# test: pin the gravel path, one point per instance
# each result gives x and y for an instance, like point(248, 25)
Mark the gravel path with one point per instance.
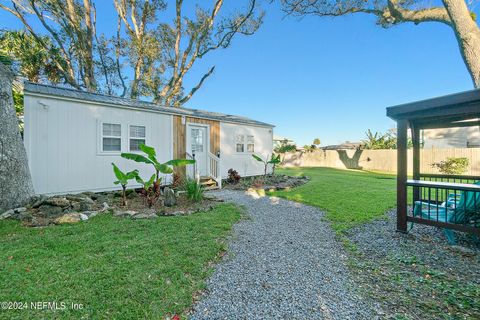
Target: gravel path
point(283, 263)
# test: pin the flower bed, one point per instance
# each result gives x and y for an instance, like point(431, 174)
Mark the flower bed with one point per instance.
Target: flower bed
point(269, 183)
point(73, 208)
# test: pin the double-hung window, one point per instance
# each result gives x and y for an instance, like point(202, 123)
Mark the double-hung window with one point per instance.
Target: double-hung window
point(111, 137)
point(136, 137)
point(240, 143)
point(250, 144)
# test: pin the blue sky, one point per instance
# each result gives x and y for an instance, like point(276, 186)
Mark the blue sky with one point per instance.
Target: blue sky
point(330, 78)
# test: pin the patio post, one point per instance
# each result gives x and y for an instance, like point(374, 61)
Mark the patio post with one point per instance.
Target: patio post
point(416, 159)
point(402, 127)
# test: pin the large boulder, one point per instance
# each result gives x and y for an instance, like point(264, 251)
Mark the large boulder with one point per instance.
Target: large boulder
point(170, 198)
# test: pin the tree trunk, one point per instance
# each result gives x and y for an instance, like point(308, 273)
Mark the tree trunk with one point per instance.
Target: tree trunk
point(468, 36)
point(15, 181)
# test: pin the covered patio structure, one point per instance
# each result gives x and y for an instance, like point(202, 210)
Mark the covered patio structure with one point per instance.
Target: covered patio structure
point(447, 201)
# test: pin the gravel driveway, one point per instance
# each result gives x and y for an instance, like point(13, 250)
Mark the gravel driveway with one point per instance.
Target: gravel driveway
point(283, 263)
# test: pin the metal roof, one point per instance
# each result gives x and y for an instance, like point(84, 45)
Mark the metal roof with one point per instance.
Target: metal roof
point(67, 93)
point(454, 110)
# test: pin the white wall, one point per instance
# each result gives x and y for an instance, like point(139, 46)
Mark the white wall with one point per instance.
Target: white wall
point(62, 143)
point(244, 163)
point(452, 137)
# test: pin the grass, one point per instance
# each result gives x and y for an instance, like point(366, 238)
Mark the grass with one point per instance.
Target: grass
point(349, 197)
point(116, 268)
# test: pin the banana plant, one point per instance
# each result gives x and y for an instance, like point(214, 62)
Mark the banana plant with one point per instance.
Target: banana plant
point(150, 191)
point(274, 160)
point(122, 179)
point(150, 157)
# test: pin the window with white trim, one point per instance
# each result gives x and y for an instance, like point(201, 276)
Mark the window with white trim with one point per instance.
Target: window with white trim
point(111, 137)
point(250, 144)
point(197, 140)
point(136, 137)
point(240, 142)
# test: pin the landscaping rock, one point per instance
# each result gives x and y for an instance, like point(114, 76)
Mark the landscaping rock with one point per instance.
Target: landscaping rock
point(78, 198)
point(58, 202)
point(86, 205)
point(147, 214)
point(39, 222)
point(127, 213)
point(90, 214)
point(37, 201)
point(83, 217)
point(19, 210)
point(7, 214)
point(47, 211)
point(22, 215)
point(105, 207)
point(68, 218)
point(89, 194)
point(170, 198)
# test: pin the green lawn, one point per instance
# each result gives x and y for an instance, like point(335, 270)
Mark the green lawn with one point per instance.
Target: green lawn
point(116, 268)
point(349, 197)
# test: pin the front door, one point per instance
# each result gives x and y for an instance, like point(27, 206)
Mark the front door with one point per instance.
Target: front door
point(197, 146)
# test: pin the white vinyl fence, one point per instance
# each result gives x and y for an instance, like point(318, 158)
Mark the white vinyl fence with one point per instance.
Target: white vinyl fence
point(381, 160)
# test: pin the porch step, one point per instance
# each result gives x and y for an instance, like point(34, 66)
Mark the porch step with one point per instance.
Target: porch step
point(208, 183)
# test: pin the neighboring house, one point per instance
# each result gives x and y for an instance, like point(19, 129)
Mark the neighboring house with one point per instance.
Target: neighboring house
point(278, 141)
point(466, 137)
point(347, 145)
point(72, 137)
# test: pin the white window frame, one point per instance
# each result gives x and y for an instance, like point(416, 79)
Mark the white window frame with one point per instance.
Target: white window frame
point(136, 138)
point(100, 150)
point(235, 143)
point(246, 143)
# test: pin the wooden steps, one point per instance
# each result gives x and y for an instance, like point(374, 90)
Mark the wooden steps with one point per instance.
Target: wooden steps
point(208, 183)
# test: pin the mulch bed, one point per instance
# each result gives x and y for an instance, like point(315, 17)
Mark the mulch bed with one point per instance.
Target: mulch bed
point(269, 183)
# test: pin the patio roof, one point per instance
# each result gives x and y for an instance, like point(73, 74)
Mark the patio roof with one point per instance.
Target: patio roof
point(455, 110)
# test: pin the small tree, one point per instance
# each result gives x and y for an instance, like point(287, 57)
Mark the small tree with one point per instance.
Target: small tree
point(123, 180)
point(452, 165)
point(316, 142)
point(274, 160)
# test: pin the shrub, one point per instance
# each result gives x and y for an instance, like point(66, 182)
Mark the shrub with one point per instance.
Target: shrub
point(151, 189)
point(452, 165)
point(233, 176)
point(194, 190)
point(122, 179)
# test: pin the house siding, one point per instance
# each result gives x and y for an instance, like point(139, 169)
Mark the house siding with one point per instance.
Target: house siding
point(62, 140)
point(244, 163)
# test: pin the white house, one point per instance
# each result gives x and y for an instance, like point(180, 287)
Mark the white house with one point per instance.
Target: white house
point(72, 137)
point(462, 137)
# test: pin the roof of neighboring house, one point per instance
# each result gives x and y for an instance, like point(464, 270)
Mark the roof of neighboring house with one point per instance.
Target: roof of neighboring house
point(343, 146)
point(67, 93)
